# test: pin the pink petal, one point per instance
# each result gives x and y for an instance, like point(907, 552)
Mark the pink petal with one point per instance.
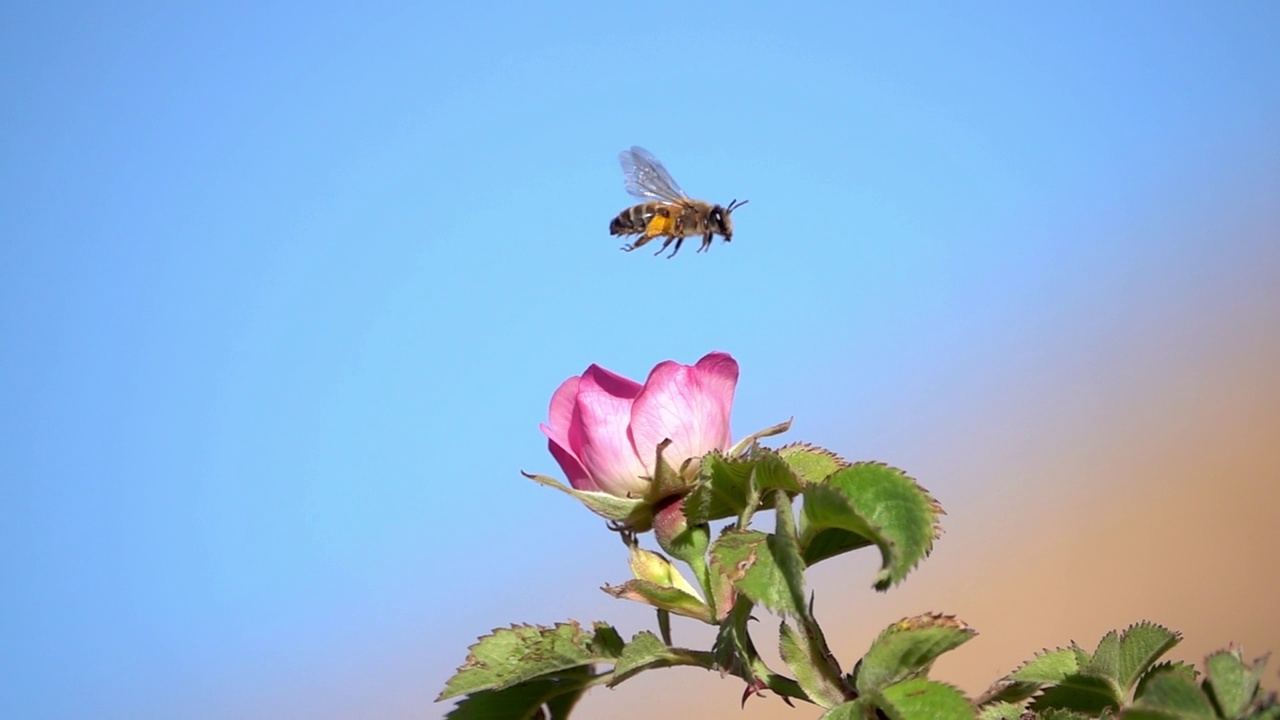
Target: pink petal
point(573, 470)
point(560, 416)
point(598, 433)
point(557, 431)
point(689, 405)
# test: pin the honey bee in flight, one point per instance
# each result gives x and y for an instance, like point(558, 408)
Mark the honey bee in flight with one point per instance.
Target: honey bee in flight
point(669, 214)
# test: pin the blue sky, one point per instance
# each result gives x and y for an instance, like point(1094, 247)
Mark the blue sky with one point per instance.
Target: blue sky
point(285, 290)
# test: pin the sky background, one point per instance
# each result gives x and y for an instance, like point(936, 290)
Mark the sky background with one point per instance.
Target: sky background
point(285, 289)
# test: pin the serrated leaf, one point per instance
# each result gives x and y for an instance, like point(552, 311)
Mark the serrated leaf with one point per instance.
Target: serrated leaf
point(922, 699)
point(859, 709)
point(1008, 691)
point(1060, 714)
point(1123, 659)
point(1049, 666)
point(732, 487)
point(811, 463)
point(520, 702)
point(662, 597)
point(1181, 668)
point(1169, 694)
point(1002, 711)
point(606, 642)
point(786, 552)
point(1084, 693)
point(908, 648)
point(748, 559)
point(644, 652)
point(805, 652)
point(876, 504)
point(1231, 684)
point(634, 513)
point(734, 648)
point(513, 655)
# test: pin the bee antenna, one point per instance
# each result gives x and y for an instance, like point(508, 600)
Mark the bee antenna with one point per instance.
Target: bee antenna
point(735, 205)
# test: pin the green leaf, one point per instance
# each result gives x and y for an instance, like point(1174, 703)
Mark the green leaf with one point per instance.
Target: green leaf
point(662, 597)
point(1122, 659)
point(1001, 711)
point(1060, 714)
point(1231, 684)
point(606, 643)
point(733, 487)
point(634, 513)
point(514, 655)
point(859, 709)
point(869, 503)
point(1007, 691)
point(750, 560)
point(923, 699)
point(1046, 668)
point(908, 648)
point(805, 652)
point(786, 552)
point(644, 652)
point(1084, 693)
point(1181, 668)
point(1169, 695)
point(521, 702)
point(811, 463)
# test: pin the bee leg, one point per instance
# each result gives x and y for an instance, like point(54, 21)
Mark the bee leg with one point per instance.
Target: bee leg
point(665, 243)
point(677, 248)
point(639, 241)
point(706, 242)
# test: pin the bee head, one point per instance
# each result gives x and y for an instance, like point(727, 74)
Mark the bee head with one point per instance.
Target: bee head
point(721, 223)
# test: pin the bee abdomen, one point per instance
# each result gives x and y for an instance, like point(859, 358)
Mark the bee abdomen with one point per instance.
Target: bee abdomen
point(632, 221)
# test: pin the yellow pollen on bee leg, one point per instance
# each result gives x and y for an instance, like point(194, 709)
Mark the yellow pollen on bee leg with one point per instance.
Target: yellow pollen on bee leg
point(659, 225)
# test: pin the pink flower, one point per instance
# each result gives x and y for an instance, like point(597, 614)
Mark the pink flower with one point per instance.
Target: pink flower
point(604, 429)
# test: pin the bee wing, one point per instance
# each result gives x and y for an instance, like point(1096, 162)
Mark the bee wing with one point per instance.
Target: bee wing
point(646, 178)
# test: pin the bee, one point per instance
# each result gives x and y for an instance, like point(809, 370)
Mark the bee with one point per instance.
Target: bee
point(669, 214)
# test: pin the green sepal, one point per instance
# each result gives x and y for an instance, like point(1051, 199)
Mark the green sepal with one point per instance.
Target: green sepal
point(745, 444)
point(635, 514)
point(1169, 695)
point(663, 597)
point(524, 700)
point(509, 656)
point(666, 482)
point(907, 649)
point(653, 567)
point(870, 503)
point(922, 699)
